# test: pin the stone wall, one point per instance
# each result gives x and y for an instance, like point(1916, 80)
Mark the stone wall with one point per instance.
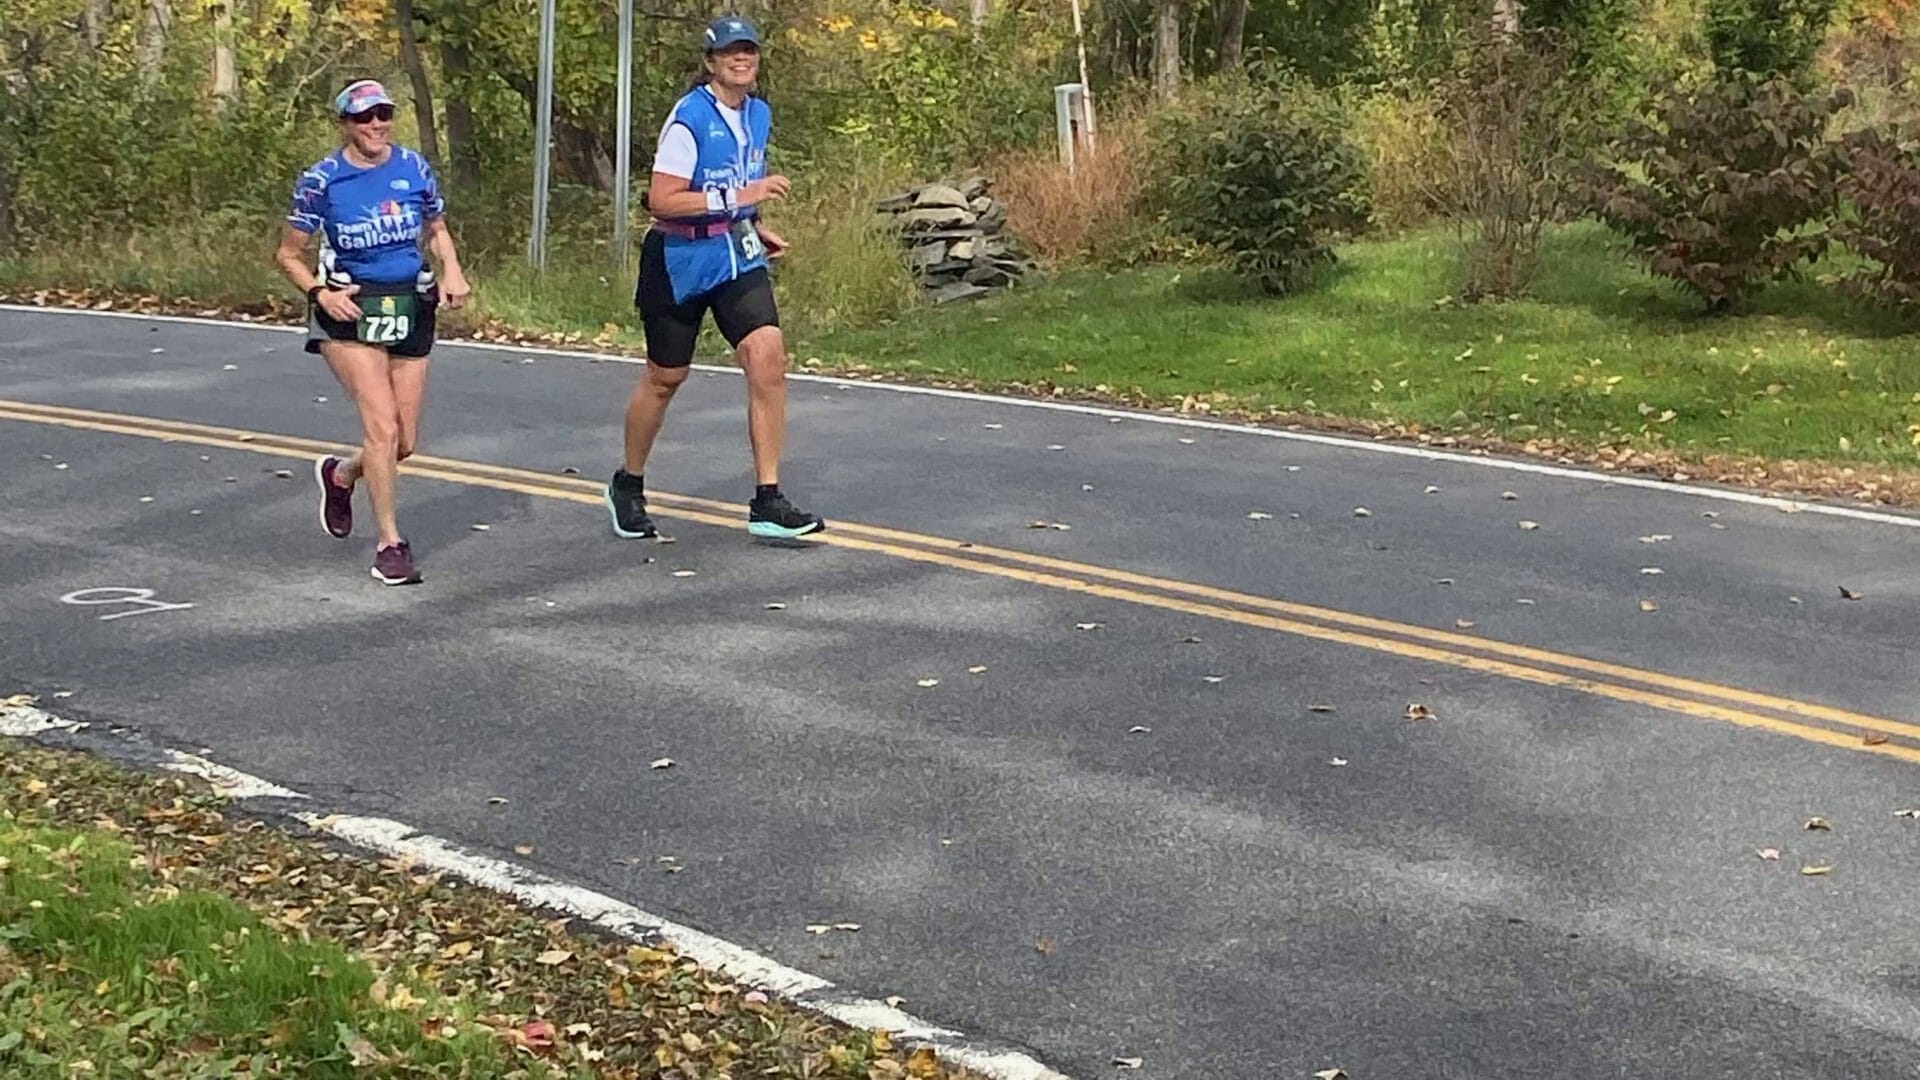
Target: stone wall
point(956, 240)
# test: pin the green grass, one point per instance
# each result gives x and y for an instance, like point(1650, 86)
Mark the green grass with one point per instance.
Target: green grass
point(1602, 355)
point(102, 962)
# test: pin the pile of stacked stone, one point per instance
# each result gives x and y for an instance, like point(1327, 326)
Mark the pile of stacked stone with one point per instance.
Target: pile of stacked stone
point(955, 238)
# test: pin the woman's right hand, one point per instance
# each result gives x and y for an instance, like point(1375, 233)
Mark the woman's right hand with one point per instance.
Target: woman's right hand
point(339, 305)
point(771, 187)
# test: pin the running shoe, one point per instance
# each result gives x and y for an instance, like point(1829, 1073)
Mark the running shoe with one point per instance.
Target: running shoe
point(336, 502)
point(773, 517)
point(627, 503)
point(394, 565)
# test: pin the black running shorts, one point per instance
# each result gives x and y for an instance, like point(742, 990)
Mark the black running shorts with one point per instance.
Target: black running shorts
point(413, 341)
point(739, 307)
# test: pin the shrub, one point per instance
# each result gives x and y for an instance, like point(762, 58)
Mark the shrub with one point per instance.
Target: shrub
point(1512, 116)
point(1261, 172)
point(1096, 214)
point(1401, 138)
point(1724, 188)
point(1881, 193)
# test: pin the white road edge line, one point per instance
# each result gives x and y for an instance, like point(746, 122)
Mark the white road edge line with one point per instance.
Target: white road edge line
point(1342, 442)
point(393, 838)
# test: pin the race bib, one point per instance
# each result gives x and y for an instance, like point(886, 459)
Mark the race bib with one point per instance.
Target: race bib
point(749, 239)
point(386, 320)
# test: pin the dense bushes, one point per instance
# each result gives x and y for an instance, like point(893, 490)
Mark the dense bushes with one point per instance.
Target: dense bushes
point(1262, 172)
point(1725, 187)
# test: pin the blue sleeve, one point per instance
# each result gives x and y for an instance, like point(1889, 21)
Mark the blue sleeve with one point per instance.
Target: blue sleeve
point(432, 203)
point(309, 211)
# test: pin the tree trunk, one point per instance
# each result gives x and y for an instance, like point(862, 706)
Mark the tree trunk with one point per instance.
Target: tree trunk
point(417, 75)
point(94, 19)
point(456, 62)
point(1166, 50)
point(1233, 34)
point(152, 50)
point(225, 84)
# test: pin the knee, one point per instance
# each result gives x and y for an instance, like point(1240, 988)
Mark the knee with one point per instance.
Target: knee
point(383, 435)
point(661, 382)
point(763, 356)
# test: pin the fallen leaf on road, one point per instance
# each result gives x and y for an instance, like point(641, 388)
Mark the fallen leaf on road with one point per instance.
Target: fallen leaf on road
point(976, 669)
point(1815, 871)
point(1189, 640)
point(1055, 446)
point(1259, 515)
point(1088, 625)
point(523, 849)
point(776, 606)
point(553, 958)
point(1464, 624)
point(1059, 526)
point(480, 527)
point(1361, 511)
point(1338, 762)
point(1771, 854)
point(496, 800)
point(1443, 581)
point(1431, 490)
point(1651, 571)
point(1212, 678)
point(894, 1001)
point(685, 573)
point(1127, 1063)
point(818, 928)
point(1045, 946)
point(1330, 1074)
point(1873, 738)
point(660, 763)
point(1319, 708)
point(1186, 442)
point(993, 427)
point(927, 684)
point(1656, 538)
point(1819, 824)
point(1849, 594)
point(1529, 526)
point(284, 474)
point(1648, 605)
point(1508, 496)
point(1419, 712)
point(1914, 813)
point(1139, 729)
point(1086, 487)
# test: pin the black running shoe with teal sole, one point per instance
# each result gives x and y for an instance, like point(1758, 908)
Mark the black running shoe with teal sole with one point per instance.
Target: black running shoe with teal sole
point(627, 503)
point(772, 517)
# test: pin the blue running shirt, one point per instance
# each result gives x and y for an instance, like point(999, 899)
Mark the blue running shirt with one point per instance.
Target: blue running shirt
point(371, 219)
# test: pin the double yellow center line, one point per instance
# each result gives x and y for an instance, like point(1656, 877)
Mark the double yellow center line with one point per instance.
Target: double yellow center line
point(1691, 697)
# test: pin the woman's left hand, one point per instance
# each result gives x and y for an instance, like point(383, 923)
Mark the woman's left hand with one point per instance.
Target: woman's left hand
point(454, 289)
point(775, 244)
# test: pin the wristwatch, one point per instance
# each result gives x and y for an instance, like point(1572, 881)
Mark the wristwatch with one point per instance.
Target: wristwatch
point(313, 295)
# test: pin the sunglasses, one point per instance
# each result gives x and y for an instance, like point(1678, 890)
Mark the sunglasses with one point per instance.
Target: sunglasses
point(382, 113)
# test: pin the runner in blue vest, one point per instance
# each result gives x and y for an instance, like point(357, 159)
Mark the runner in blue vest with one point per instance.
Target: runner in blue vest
point(708, 251)
point(372, 302)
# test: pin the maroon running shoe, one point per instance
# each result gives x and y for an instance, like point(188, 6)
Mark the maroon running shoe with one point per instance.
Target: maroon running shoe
point(336, 502)
point(394, 565)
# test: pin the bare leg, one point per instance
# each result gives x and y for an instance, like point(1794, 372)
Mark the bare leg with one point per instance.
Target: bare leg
point(647, 410)
point(763, 356)
point(363, 371)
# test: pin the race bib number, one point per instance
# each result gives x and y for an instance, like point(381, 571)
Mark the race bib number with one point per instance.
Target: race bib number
point(386, 320)
point(749, 237)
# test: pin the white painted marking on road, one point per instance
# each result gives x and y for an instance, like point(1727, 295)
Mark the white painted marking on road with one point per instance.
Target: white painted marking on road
point(385, 836)
point(1340, 442)
point(142, 597)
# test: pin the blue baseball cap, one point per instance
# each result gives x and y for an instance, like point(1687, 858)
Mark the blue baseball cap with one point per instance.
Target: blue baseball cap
point(360, 96)
point(730, 30)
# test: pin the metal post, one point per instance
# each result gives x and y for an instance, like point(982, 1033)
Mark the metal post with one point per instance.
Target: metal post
point(543, 141)
point(1086, 86)
point(1064, 109)
point(623, 139)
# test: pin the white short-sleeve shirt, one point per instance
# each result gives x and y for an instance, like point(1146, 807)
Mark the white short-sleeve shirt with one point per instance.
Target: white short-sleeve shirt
point(677, 154)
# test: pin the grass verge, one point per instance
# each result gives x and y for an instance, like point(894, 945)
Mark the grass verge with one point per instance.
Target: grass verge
point(147, 931)
point(1807, 393)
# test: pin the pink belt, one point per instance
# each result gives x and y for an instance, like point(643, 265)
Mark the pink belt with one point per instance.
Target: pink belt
point(693, 232)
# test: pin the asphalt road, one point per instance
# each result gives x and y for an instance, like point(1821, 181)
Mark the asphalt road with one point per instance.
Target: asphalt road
point(1554, 876)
